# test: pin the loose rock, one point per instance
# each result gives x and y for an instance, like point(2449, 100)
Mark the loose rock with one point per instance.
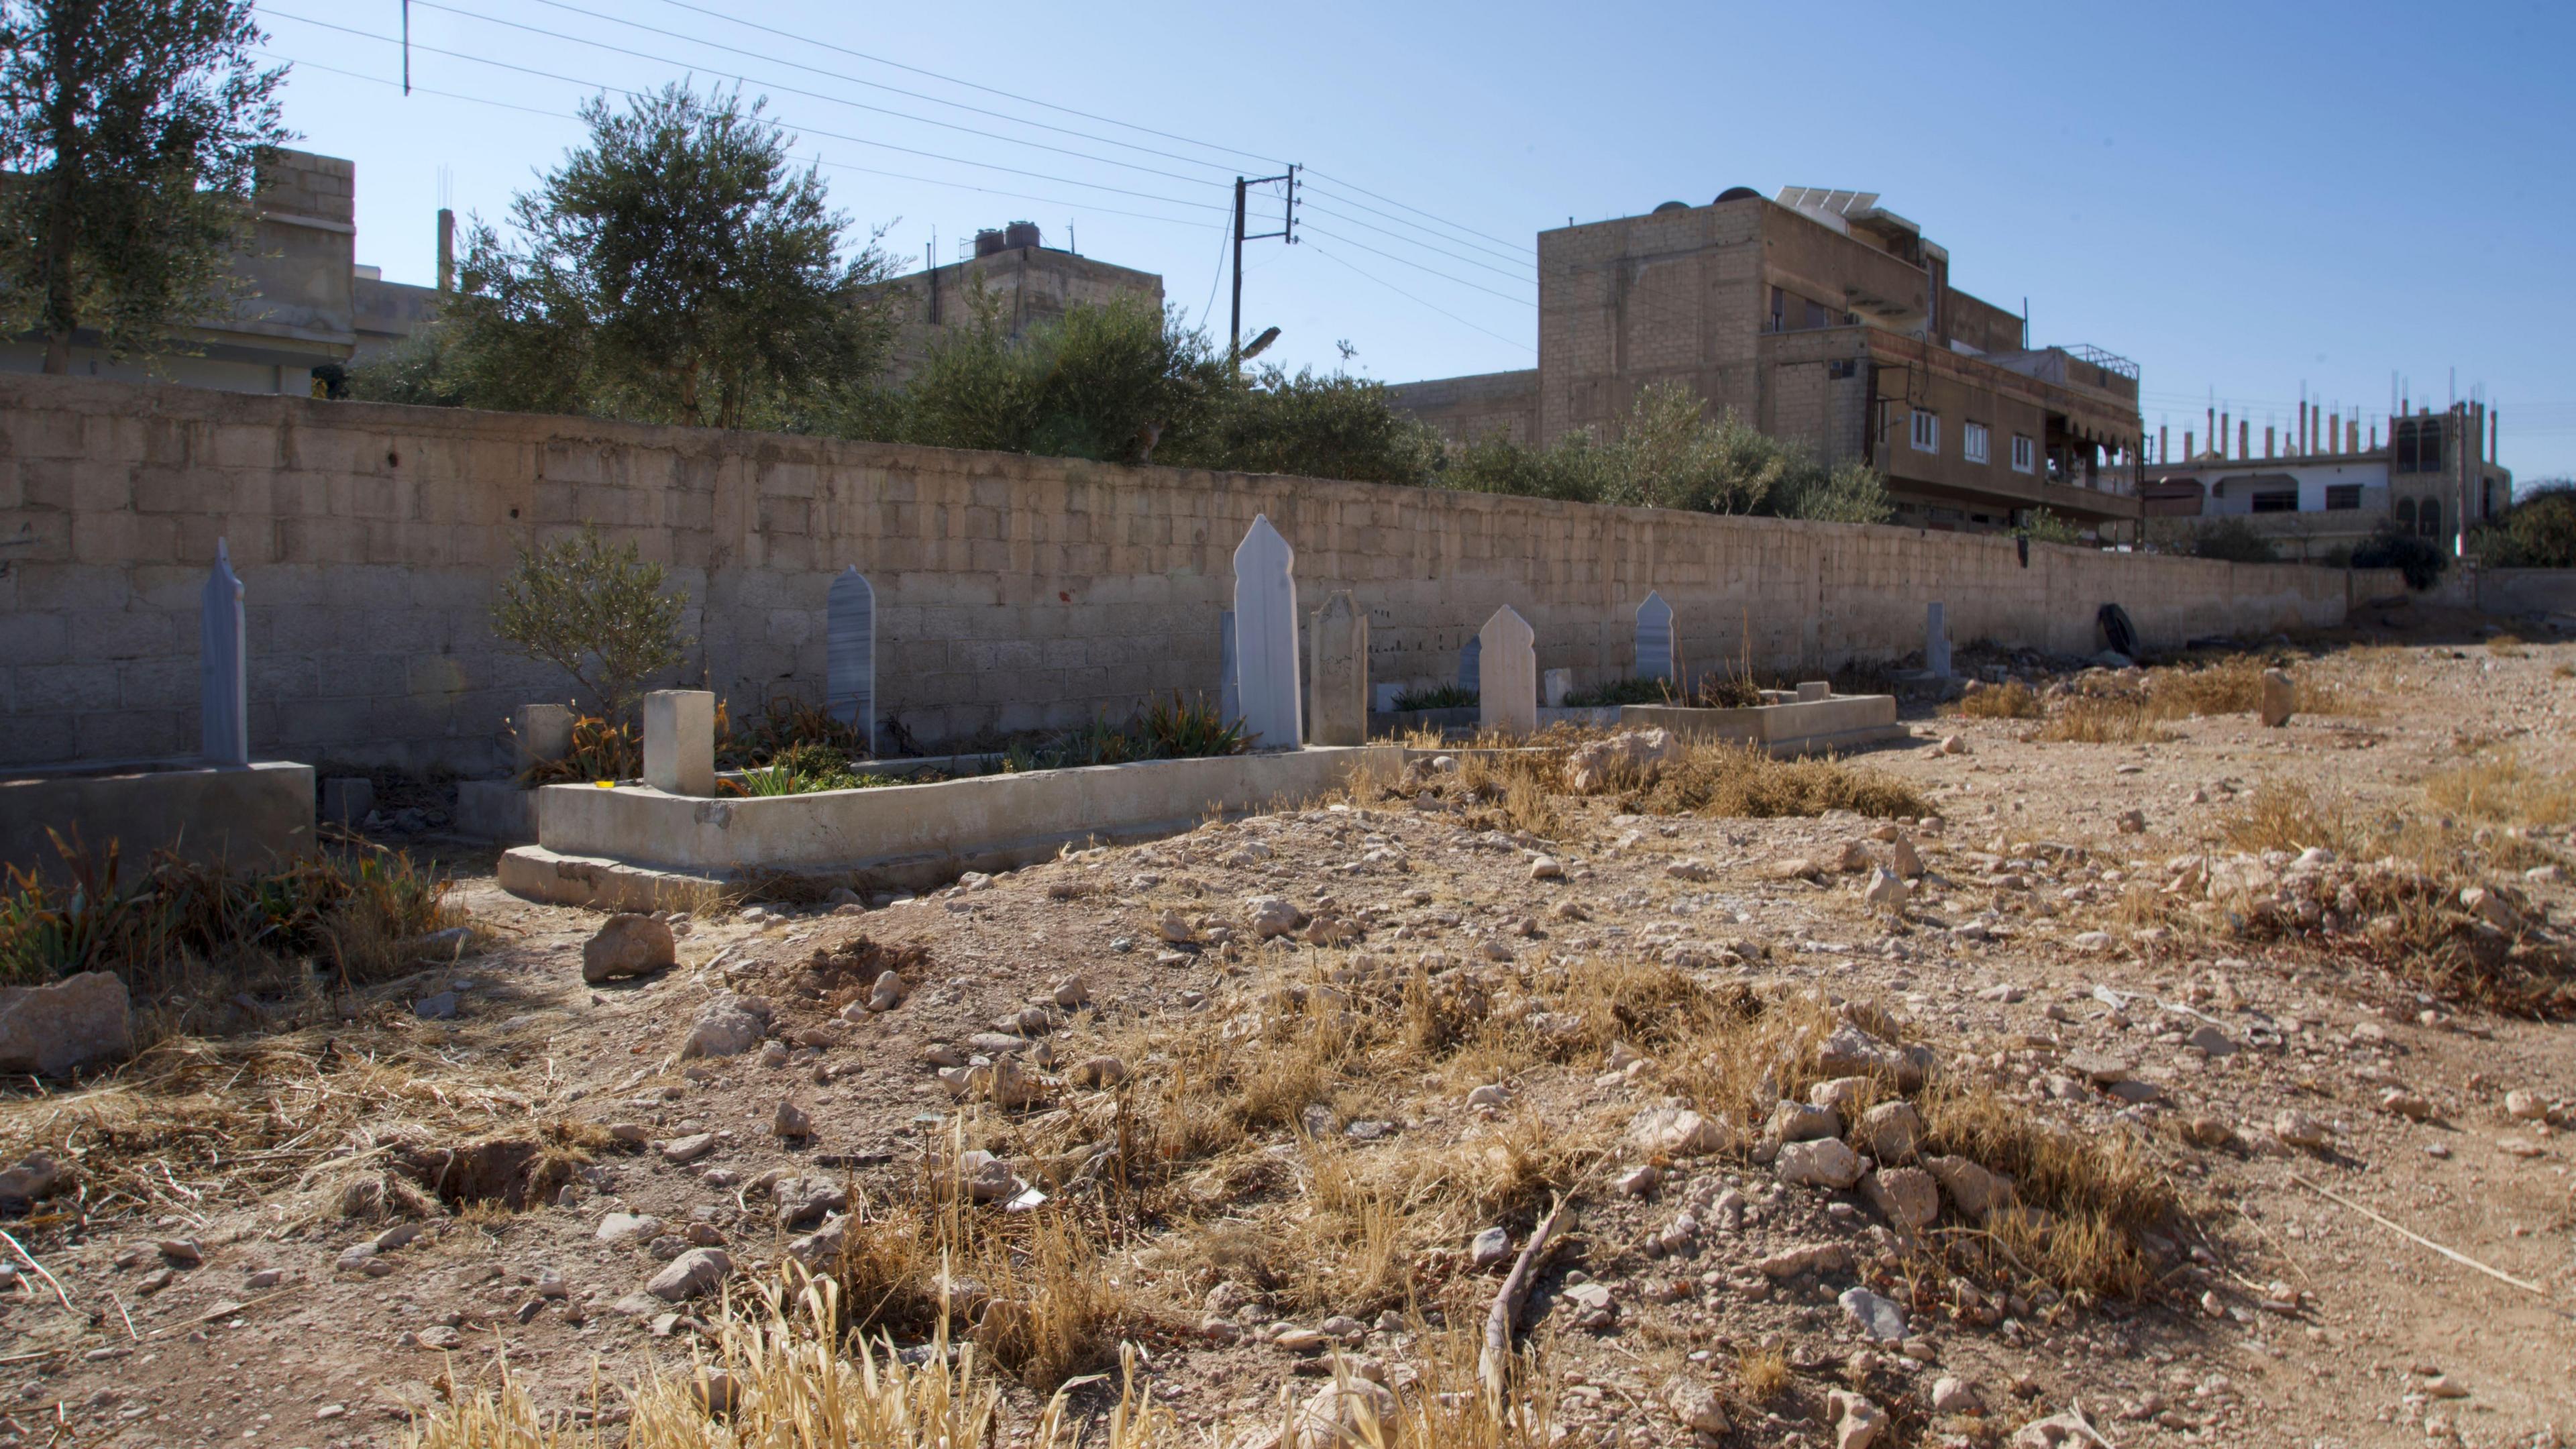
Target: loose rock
point(628, 944)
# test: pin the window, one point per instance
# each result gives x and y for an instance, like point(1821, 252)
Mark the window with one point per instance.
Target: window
point(2025, 454)
point(2429, 522)
point(2342, 496)
point(1842, 367)
point(2416, 444)
point(1927, 431)
point(2277, 500)
point(1972, 442)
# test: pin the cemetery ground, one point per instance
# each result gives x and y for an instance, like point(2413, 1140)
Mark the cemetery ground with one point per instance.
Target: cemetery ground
point(2257, 1023)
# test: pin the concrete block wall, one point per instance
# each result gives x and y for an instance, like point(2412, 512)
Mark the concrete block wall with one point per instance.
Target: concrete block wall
point(1013, 592)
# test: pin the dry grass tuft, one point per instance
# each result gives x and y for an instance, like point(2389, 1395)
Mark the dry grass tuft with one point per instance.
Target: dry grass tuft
point(2092, 720)
point(2015, 700)
point(2502, 790)
point(2286, 815)
point(2084, 1198)
point(781, 1373)
point(195, 1128)
point(1743, 781)
point(1762, 1373)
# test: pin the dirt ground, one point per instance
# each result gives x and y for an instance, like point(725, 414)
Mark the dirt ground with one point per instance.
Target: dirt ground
point(192, 1292)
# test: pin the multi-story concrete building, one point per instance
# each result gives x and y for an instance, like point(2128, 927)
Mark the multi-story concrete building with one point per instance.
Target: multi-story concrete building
point(1014, 271)
point(1826, 320)
point(305, 302)
point(2325, 488)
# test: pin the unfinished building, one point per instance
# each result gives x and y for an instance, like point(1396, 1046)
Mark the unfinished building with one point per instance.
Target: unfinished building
point(1017, 277)
point(1825, 320)
point(2323, 488)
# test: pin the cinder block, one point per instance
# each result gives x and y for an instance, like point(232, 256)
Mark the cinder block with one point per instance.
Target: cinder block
point(680, 741)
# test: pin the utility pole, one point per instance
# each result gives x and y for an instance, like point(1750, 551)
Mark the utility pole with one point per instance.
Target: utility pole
point(1287, 232)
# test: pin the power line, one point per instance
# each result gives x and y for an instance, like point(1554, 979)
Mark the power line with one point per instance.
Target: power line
point(1417, 266)
point(1417, 299)
point(971, 85)
point(1426, 246)
point(859, 81)
point(1520, 256)
point(818, 159)
point(811, 95)
point(1418, 211)
point(811, 130)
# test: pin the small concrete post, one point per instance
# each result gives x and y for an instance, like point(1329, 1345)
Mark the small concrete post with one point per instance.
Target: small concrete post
point(1936, 640)
point(680, 741)
point(223, 665)
point(1507, 697)
point(540, 734)
point(850, 657)
point(1265, 636)
point(1554, 686)
point(1338, 637)
point(1812, 690)
point(1655, 639)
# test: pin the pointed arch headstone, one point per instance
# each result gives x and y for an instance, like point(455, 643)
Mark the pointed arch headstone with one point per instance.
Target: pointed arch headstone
point(223, 665)
point(1507, 697)
point(1655, 638)
point(1265, 637)
point(850, 659)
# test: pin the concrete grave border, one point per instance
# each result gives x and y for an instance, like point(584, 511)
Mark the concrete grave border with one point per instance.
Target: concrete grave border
point(634, 847)
point(1834, 724)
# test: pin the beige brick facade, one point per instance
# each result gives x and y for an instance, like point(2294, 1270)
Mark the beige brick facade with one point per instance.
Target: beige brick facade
point(1013, 592)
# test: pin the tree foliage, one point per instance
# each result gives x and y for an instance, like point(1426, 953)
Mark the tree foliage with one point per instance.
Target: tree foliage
point(1309, 424)
point(2234, 540)
point(675, 269)
point(135, 128)
point(1106, 383)
point(2420, 559)
point(2537, 533)
point(1669, 453)
point(2044, 525)
point(594, 611)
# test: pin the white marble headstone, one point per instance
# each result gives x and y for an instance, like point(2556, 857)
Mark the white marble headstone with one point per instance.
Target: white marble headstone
point(1507, 698)
point(850, 670)
point(1265, 637)
point(223, 665)
point(1655, 638)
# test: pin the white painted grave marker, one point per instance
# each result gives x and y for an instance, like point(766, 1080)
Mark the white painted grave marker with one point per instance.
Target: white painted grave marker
point(1470, 668)
point(850, 668)
point(1936, 641)
point(223, 666)
point(1508, 660)
point(1265, 636)
point(1229, 698)
point(1655, 639)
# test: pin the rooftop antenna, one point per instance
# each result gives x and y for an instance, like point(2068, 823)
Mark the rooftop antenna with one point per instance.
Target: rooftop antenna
point(406, 22)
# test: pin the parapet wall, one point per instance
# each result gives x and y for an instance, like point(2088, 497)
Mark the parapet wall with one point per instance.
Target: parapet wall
point(1013, 592)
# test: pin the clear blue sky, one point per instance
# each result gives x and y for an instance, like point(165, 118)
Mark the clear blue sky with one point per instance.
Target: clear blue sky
point(2244, 198)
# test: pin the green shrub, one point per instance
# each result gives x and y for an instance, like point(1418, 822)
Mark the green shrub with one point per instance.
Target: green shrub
point(1621, 691)
point(595, 612)
point(1335, 426)
point(2040, 525)
point(2420, 559)
point(1174, 729)
point(2537, 533)
point(2234, 540)
point(1438, 696)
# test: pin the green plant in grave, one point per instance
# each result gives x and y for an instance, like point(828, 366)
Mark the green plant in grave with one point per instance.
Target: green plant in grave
point(597, 613)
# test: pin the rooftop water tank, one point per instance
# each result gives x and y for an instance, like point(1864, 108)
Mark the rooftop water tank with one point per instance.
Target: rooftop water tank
point(1021, 234)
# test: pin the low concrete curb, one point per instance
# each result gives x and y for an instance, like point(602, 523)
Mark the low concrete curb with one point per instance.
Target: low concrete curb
point(246, 817)
point(617, 847)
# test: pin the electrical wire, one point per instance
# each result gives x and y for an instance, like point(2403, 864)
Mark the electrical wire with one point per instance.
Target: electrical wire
point(1418, 211)
point(809, 130)
point(1522, 256)
point(798, 91)
point(1417, 266)
point(860, 81)
point(1528, 275)
point(1416, 298)
point(818, 159)
point(971, 85)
